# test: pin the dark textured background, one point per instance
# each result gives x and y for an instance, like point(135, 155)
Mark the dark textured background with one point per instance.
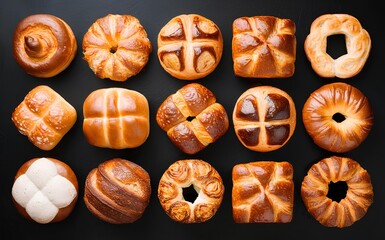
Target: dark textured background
point(157, 153)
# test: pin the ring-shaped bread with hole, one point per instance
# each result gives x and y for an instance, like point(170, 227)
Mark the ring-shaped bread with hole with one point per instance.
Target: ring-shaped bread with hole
point(358, 46)
point(338, 117)
point(207, 183)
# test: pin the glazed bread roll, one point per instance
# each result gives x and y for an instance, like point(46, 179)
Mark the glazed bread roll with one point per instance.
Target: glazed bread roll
point(190, 46)
point(45, 190)
point(315, 187)
point(192, 118)
point(117, 191)
point(263, 192)
point(358, 46)
point(44, 45)
point(116, 118)
point(116, 47)
point(207, 183)
point(264, 47)
point(44, 116)
point(338, 117)
point(264, 118)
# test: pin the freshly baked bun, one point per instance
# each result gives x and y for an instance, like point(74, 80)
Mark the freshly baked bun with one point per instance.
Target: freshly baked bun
point(116, 118)
point(207, 183)
point(358, 46)
point(263, 192)
point(117, 191)
point(43, 45)
point(338, 117)
point(190, 46)
point(44, 116)
point(192, 118)
point(315, 187)
point(264, 118)
point(264, 47)
point(116, 47)
point(45, 190)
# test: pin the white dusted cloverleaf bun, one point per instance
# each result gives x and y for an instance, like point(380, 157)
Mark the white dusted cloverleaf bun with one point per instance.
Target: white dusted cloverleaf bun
point(45, 190)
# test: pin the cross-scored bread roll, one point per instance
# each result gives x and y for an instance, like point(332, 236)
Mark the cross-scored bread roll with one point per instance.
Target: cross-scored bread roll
point(264, 118)
point(45, 190)
point(207, 183)
point(190, 46)
point(116, 47)
point(44, 45)
point(192, 118)
point(116, 118)
point(315, 188)
point(44, 116)
point(264, 47)
point(117, 191)
point(263, 192)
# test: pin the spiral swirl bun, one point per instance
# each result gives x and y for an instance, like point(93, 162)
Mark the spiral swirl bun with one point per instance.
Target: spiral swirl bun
point(206, 181)
point(44, 45)
point(315, 188)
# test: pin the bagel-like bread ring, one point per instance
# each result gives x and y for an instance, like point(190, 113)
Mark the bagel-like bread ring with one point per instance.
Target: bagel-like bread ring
point(315, 187)
point(320, 109)
point(190, 46)
point(206, 181)
point(358, 45)
point(44, 45)
point(116, 47)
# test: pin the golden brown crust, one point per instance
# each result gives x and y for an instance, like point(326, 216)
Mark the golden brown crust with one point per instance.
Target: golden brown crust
point(206, 181)
point(358, 46)
point(44, 117)
point(209, 118)
point(190, 46)
point(263, 192)
point(64, 170)
point(117, 191)
point(116, 47)
point(44, 45)
point(337, 98)
point(264, 47)
point(264, 118)
point(116, 118)
point(315, 187)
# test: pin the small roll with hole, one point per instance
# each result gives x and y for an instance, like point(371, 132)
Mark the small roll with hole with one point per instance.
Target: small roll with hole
point(207, 183)
point(338, 117)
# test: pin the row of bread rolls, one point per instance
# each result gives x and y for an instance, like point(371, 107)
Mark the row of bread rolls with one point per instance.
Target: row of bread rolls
point(264, 118)
point(190, 46)
point(118, 191)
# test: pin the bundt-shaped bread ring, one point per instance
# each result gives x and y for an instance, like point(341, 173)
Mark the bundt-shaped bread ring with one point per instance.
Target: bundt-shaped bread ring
point(338, 117)
point(315, 187)
point(44, 45)
point(116, 47)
